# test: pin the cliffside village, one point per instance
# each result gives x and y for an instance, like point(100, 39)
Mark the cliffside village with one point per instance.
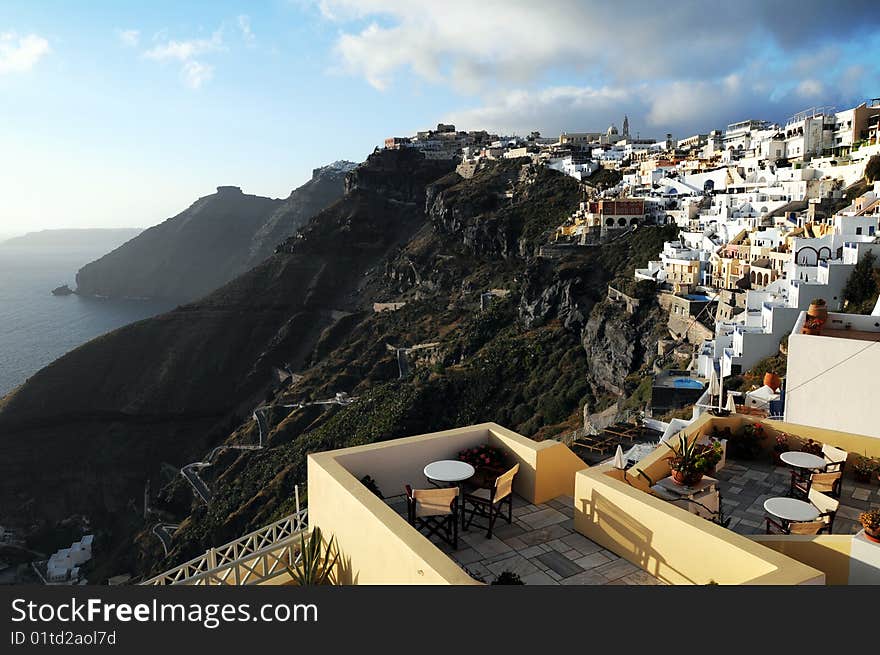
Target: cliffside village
point(772, 219)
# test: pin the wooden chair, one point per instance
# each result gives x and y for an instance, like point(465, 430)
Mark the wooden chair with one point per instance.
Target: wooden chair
point(489, 503)
point(836, 458)
point(828, 483)
point(434, 512)
point(824, 523)
point(826, 505)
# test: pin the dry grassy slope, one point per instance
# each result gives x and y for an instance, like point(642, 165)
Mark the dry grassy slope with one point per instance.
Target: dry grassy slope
point(491, 366)
point(84, 434)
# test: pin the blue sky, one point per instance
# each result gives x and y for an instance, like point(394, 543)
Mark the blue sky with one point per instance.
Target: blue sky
point(123, 113)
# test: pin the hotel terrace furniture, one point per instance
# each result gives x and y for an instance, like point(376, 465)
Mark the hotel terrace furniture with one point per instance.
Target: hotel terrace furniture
point(701, 499)
point(802, 460)
point(828, 483)
point(825, 510)
point(450, 471)
point(488, 503)
point(434, 512)
point(791, 511)
point(835, 458)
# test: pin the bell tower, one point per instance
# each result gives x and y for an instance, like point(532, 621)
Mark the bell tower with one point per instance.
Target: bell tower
point(625, 126)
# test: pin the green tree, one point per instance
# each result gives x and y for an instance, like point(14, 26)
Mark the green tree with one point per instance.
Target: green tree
point(861, 287)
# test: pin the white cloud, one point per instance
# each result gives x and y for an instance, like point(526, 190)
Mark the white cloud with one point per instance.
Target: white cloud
point(129, 38)
point(470, 44)
point(193, 72)
point(185, 50)
point(196, 73)
point(244, 24)
point(811, 88)
point(668, 65)
point(19, 54)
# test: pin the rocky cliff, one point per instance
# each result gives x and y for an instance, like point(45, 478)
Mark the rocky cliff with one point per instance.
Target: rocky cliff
point(214, 240)
point(85, 434)
point(141, 402)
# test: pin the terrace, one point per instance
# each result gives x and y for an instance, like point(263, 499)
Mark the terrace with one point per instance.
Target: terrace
point(541, 546)
point(377, 543)
point(574, 524)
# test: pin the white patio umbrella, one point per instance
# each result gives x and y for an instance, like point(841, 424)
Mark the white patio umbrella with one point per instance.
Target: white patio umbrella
point(714, 384)
point(619, 461)
point(731, 404)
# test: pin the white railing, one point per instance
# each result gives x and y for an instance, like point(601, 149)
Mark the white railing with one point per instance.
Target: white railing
point(257, 556)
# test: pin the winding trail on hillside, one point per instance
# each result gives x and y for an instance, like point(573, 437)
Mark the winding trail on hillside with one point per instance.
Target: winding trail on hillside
point(191, 471)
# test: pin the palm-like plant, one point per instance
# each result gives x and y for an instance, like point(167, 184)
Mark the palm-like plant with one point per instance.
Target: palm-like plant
point(316, 564)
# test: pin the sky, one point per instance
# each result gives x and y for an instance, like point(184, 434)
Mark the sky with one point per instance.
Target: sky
point(122, 113)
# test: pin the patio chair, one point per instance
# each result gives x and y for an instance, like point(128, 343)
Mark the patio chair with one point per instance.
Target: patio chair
point(828, 483)
point(836, 458)
point(826, 505)
point(434, 512)
point(824, 523)
point(489, 503)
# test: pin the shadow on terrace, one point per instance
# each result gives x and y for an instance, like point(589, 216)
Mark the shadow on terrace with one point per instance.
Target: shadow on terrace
point(540, 544)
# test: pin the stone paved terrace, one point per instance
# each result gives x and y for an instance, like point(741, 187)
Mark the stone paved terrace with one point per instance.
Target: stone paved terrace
point(745, 485)
point(542, 546)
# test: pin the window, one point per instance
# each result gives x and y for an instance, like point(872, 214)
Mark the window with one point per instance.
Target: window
point(858, 230)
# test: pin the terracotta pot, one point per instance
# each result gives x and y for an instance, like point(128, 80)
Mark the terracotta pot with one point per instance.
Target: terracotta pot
point(818, 312)
point(686, 479)
point(873, 535)
point(809, 330)
point(772, 380)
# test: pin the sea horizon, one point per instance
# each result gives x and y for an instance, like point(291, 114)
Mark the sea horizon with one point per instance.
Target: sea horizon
point(36, 328)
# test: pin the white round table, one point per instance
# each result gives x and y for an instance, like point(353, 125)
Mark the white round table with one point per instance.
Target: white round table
point(449, 470)
point(791, 509)
point(802, 460)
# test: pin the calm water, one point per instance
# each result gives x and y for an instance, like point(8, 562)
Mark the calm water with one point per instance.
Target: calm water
point(36, 327)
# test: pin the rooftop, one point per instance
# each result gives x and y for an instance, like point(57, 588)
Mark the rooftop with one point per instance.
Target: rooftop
point(541, 546)
point(858, 327)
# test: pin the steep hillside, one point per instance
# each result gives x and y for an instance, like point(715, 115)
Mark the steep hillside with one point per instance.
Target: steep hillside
point(216, 239)
point(85, 434)
point(526, 361)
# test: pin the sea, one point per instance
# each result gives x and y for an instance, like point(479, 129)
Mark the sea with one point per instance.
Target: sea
point(36, 327)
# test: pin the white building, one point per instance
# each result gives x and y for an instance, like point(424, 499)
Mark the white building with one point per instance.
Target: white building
point(63, 566)
point(831, 381)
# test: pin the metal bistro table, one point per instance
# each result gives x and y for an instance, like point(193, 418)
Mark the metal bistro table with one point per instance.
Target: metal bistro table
point(801, 460)
point(791, 510)
point(453, 473)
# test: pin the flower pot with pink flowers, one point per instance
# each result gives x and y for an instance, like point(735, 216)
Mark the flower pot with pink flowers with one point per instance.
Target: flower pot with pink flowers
point(488, 462)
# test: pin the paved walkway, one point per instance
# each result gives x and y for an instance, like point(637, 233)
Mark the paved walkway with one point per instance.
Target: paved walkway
point(541, 546)
point(745, 485)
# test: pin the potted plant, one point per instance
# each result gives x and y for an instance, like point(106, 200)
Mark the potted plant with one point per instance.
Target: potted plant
point(748, 442)
point(316, 565)
point(507, 577)
point(812, 326)
point(780, 447)
point(870, 521)
point(818, 310)
point(690, 460)
point(812, 447)
point(864, 467)
point(488, 462)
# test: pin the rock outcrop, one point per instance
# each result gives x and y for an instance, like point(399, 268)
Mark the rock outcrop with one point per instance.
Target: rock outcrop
point(216, 239)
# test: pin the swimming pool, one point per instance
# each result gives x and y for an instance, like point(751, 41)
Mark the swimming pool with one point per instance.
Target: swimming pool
point(686, 383)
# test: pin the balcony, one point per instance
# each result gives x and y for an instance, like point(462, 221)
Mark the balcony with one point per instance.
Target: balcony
point(624, 514)
point(378, 545)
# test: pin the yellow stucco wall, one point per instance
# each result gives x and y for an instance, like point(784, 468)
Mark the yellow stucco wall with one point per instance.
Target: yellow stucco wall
point(671, 543)
point(377, 545)
point(827, 553)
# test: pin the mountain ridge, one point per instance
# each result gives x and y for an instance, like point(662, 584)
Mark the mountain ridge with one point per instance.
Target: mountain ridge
point(217, 238)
